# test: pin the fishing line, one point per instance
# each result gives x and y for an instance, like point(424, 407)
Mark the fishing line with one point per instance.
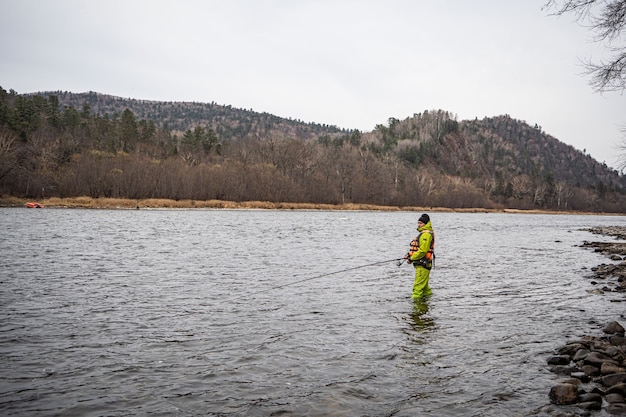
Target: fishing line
point(327, 274)
point(330, 273)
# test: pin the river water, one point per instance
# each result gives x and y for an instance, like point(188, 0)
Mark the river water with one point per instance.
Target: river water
point(292, 313)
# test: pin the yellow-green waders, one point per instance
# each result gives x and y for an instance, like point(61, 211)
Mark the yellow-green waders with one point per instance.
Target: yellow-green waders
point(421, 288)
point(421, 259)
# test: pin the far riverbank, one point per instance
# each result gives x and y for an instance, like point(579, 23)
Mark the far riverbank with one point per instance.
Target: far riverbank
point(151, 203)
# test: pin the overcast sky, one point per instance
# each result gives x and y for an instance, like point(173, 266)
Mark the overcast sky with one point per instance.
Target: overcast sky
point(349, 63)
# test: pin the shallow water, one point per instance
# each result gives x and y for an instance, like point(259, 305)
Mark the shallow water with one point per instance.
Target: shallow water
point(258, 313)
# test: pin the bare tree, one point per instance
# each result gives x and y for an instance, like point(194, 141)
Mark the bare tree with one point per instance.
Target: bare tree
point(607, 20)
point(522, 186)
point(8, 158)
point(539, 196)
point(562, 193)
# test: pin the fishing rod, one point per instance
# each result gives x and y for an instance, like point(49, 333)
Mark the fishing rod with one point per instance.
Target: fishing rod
point(399, 261)
point(336, 272)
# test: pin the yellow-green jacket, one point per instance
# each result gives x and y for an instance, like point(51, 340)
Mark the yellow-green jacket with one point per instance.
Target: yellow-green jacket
point(423, 246)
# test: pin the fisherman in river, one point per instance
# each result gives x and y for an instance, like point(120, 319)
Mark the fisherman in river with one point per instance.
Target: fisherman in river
point(422, 256)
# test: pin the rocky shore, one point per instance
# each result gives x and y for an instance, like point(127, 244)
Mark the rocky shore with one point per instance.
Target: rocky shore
point(594, 373)
point(610, 277)
point(593, 369)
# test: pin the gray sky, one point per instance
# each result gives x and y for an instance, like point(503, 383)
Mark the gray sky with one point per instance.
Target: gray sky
point(349, 63)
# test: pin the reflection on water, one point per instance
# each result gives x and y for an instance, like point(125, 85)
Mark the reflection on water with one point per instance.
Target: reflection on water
point(421, 321)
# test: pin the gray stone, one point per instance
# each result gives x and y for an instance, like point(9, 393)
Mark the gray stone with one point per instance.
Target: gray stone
point(613, 328)
point(590, 370)
point(613, 379)
point(561, 369)
point(614, 398)
point(570, 349)
point(580, 355)
point(609, 368)
point(590, 405)
point(558, 360)
point(617, 409)
point(573, 381)
point(598, 358)
point(564, 394)
point(615, 353)
point(617, 389)
point(590, 397)
point(618, 340)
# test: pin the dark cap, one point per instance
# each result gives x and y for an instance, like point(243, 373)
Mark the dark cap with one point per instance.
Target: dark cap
point(424, 218)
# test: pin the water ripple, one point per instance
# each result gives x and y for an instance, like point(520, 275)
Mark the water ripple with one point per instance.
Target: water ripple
point(209, 312)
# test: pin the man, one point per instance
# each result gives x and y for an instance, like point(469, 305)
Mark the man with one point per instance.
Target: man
point(422, 255)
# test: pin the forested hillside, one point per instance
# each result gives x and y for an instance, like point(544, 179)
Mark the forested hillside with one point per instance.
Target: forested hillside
point(66, 145)
point(227, 122)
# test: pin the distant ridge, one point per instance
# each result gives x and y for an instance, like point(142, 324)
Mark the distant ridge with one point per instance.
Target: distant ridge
point(491, 147)
point(429, 158)
point(179, 116)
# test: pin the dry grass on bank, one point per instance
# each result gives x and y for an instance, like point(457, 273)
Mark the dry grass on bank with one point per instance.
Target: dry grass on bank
point(153, 203)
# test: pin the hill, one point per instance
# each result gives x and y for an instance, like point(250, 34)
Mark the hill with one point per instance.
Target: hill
point(104, 146)
point(492, 148)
